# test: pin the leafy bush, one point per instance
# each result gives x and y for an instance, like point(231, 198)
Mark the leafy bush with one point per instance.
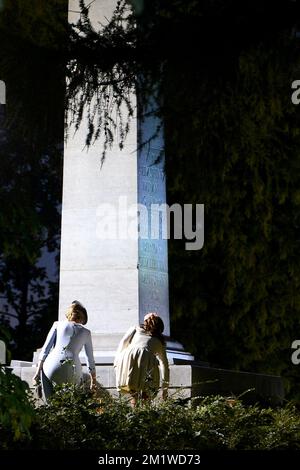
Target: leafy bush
point(231, 425)
point(75, 419)
point(16, 410)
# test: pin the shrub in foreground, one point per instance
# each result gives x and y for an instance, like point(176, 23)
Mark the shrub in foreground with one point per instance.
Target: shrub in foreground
point(76, 419)
point(16, 410)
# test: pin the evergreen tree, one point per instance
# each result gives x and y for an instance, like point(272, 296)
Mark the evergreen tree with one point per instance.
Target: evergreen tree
point(30, 174)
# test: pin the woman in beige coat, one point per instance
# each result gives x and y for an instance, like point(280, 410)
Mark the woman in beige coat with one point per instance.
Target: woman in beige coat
point(140, 355)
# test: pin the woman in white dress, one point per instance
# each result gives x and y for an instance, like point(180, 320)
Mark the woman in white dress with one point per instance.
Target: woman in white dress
point(59, 358)
point(140, 355)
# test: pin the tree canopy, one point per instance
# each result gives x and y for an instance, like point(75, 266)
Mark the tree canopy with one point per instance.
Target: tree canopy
point(30, 173)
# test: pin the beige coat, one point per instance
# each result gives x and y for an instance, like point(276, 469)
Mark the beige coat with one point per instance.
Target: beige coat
point(138, 360)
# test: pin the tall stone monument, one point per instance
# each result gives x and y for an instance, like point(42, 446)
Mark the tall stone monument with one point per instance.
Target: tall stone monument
point(118, 275)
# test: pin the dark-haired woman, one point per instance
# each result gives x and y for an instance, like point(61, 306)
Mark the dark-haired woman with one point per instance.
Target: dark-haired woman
point(140, 356)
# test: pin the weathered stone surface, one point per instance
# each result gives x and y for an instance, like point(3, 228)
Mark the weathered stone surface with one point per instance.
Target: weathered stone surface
point(191, 381)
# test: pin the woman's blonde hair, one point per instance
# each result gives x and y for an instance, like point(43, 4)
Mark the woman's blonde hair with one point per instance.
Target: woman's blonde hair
point(76, 312)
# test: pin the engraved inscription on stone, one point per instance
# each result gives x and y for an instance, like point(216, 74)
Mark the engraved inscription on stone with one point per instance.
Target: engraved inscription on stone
point(153, 252)
point(153, 263)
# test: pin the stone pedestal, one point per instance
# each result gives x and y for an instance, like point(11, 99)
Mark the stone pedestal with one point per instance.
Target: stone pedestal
point(191, 381)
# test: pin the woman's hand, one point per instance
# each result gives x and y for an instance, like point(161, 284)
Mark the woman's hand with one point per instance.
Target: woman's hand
point(93, 385)
point(36, 378)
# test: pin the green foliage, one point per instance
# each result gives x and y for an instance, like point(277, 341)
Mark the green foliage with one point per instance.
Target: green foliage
point(232, 425)
point(77, 420)
point(30, 169)
point(16, 410)
point(236, 302)
point(30, 192)
point(32, 36)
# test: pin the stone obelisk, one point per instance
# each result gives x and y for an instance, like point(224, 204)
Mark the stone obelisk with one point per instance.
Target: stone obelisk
point(116, 274)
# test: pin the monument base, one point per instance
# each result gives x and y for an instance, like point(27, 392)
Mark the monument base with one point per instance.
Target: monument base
point(105, 346)
point(191, 381)
point(189, 378)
